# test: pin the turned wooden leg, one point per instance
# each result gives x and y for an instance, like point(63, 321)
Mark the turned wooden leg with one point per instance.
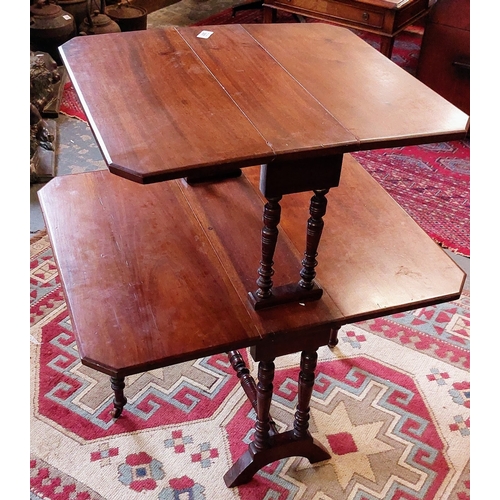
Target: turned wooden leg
point(308, 362)
point(248, 383)
point(264, 398)
point(334, 338)
point(315, 225)
point(246, 380)
point(271, 219)
point(264, 448)
point(119, 401)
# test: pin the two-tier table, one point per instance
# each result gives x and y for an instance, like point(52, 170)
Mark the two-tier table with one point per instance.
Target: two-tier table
point(185, 248)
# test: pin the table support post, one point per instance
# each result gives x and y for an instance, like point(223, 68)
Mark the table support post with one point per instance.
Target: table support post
point(119, 401)
point(315, 225)
point(268, 15)
point(265, 449)
point(306, 290)
point(277, 179)
point(271, 219)
point(264, 398)
point(247, 382)
point(308, 362)
point(334, 338)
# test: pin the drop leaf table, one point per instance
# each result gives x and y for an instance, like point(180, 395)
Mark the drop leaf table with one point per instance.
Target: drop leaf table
point(232, 215)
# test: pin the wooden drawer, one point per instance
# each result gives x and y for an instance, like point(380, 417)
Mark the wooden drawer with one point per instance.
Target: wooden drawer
point(363, 17)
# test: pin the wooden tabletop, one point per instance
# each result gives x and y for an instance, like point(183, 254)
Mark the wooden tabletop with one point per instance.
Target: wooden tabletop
point(158, 274)
point(167, 103)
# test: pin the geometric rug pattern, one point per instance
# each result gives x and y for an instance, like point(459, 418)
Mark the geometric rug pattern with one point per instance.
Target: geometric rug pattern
point(391, 403)
point(432, 183)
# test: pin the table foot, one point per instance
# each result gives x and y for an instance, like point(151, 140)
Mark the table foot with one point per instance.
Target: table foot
point(334, 338)
point(119, 401)
point(285, 294)
point(280, 446)
point(266, 448)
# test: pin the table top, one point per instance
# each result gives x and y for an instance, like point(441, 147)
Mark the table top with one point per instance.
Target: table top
point(169, 103)
point(158, 274)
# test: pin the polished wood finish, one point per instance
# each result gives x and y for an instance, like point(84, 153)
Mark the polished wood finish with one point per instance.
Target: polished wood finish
point(376, 100)
point(386, 18)
point(159, 272)
point(173, 264)
point(268, 447)
point(296, 91)
point(166, 279)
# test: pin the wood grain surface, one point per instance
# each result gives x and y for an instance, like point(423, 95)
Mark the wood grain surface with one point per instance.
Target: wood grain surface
point(165, 104)
point(372, 97)
point(158, 274)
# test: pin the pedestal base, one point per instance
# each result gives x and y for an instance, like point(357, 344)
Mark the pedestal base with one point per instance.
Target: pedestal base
point(281, 446)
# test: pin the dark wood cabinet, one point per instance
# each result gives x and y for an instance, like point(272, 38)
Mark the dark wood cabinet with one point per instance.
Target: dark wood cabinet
point(444, 62)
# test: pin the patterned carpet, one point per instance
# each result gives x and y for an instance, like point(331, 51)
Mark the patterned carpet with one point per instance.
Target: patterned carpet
point(391, 403)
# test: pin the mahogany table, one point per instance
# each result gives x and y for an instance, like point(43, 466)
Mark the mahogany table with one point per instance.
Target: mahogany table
point(156, 273)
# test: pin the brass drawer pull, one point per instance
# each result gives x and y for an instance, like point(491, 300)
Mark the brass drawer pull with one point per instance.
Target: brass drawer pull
point(366, 16)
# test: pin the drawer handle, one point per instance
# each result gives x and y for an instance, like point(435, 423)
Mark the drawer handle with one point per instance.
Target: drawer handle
point(366, 16)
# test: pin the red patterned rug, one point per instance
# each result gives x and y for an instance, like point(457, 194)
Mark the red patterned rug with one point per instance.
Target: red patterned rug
point(70, 104)
point(431, 182)
point(391, 403)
